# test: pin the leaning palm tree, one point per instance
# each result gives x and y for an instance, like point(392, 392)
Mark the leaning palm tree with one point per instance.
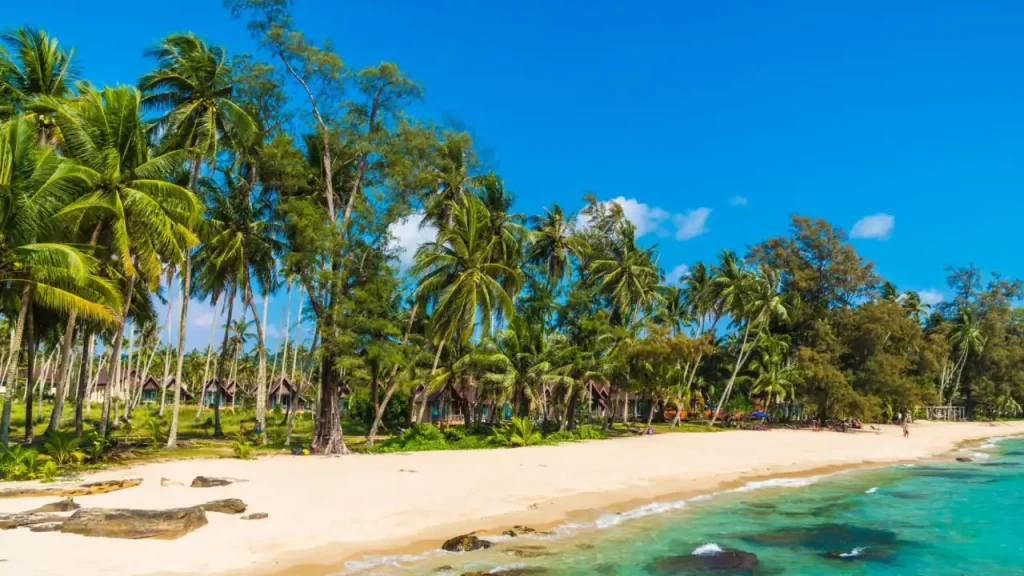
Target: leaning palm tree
point(754, 300)
point(965, 337)
point(103, 132)
point(773, 374)
point(459, 275)
point(191, 89)
point(37, 194)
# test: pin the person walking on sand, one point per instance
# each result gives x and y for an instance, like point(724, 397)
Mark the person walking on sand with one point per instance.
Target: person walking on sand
point(906, 430)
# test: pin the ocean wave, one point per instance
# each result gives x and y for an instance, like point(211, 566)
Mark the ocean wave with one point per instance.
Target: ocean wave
point(779, 483)
point(871, 490)
point(853, 553)
point(371, 562)
point(609, 520)
point(708, 549)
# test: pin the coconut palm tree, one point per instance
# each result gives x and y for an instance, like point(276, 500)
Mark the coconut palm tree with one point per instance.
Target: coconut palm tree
point(966, 336)
point(628, 275)
point(32, 65)
point(38, 192)
point(104, 133)
point(192, 91)
point(555, 242)
point(773, 374)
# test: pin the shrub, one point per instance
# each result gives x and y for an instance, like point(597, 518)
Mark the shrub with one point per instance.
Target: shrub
point(96, 447)
point(18, 462)
point(589, 432)
point(49, 471)
point(242, 448)
point(558, 437)
point(517, 432)
point(63, 448)
point(454, 434)
point(155, 431)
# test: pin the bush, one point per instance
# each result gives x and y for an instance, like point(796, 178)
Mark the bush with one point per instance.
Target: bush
point(589, 432)
point(517, 432)
point(454, 434)
point(242, 448)
point(18, 462)
point(49, 471)
point(558, 437)
point(63, 448)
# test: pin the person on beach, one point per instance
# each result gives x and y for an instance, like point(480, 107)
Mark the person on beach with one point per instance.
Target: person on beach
point(906, 430)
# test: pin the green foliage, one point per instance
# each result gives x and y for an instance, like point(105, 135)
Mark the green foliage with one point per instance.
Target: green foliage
point(48, 471)
point(18, 462)
point(428, 437)
point(517, 432)
point(242, 448)
point(64, 449)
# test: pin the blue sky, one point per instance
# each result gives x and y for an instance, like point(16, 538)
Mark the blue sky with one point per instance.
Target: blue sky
point(713, 122)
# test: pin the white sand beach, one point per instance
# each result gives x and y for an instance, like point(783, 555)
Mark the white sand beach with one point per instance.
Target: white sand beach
point(323, 511)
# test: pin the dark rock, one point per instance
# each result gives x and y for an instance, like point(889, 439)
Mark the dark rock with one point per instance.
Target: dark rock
point(226, 506)
point(465, 543)
point(47, 527)
point(523, 529)
point(256, 516)
point(67, 491)
point(509, 533)
point(9, 521)
point(65, 505)
point(209, 482)
point(728, 560)
point(444, 568)
point(824, 538)
point(134, 524)
point(964, 459)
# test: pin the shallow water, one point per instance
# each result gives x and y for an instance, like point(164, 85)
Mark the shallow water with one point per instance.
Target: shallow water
point(949, 518)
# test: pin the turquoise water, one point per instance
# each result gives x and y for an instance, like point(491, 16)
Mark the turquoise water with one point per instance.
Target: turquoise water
point(945, 518)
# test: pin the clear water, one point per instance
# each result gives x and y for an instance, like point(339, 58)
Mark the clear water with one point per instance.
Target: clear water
point(951, 518)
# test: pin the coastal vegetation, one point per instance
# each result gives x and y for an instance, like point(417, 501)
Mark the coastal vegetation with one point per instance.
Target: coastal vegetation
point(231, 178)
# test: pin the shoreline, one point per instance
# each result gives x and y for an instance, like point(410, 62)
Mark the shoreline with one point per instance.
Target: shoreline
point(325, 512)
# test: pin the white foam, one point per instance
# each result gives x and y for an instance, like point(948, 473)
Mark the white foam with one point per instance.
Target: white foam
point(871, 490)
point(609, 520)
point(708, 549)
point(370, 562)
point(778, 483)
point(853, 553)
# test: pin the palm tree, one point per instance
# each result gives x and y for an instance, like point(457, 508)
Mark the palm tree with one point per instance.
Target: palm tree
point(628, 275)
point(37, 193)
point(192, 90)
point(773, 374)
point(912, 305)
point(34, 65)
point(554, 242)
point(103, 132)
point(965, 337)
point(753, 299)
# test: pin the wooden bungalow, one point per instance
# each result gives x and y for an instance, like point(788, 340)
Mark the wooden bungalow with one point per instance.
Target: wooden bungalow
point(447, 406)
point(215, 392)
point(151, 390)
point(280, 394)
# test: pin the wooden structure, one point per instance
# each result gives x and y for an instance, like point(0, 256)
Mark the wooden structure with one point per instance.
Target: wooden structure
point(280, 394)
point(948, 413)
point(214, 392)
point(151, 390)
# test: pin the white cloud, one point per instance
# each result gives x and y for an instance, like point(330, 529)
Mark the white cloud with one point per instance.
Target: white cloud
point(930, 297)
point(204, 320)
point(648, 219)
point(676, 274)
point(272, 331)
point(408, 234)
point(877, 226)
point(691, 224)
point(738, 201)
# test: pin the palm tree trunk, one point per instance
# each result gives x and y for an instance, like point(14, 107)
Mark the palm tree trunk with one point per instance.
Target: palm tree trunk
point(65, 358)
point(261, 380)
point(83, 380)
point(115, 358)
point(287, 328)
point(167, 349)
point(30, 351)
point(217, 432)
point(328, 436)
point(426, 388)
point(206, 370)
point(650, 415)
point(741, 358)
point(295, 342)
point(186, 279)
point(127, 378)
point(392, 383)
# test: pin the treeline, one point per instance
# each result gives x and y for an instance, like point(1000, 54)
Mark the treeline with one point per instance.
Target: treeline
point(206, 179)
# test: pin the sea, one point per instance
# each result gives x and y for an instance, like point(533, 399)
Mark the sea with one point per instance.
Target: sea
point(936, 518)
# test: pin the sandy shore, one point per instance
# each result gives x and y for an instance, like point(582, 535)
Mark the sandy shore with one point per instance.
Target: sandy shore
point(326, 510)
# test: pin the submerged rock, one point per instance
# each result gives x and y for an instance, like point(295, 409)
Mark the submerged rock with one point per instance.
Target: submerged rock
point(528, 551)
point(964, 459)
point(65, 505)
point(134, 524)
point(256, 516)
point(509, 533)
point(209, 482)
point(67, 491)
point(825, 538)
point(707, 559)
point(226, 506)
point(520, 571)
point(523, 529)
point(465, 543)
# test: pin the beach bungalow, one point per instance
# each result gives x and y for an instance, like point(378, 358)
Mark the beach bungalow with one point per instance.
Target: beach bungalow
point(214, 392)
point(447, 405)
point(151, 390)
point(280, 394)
